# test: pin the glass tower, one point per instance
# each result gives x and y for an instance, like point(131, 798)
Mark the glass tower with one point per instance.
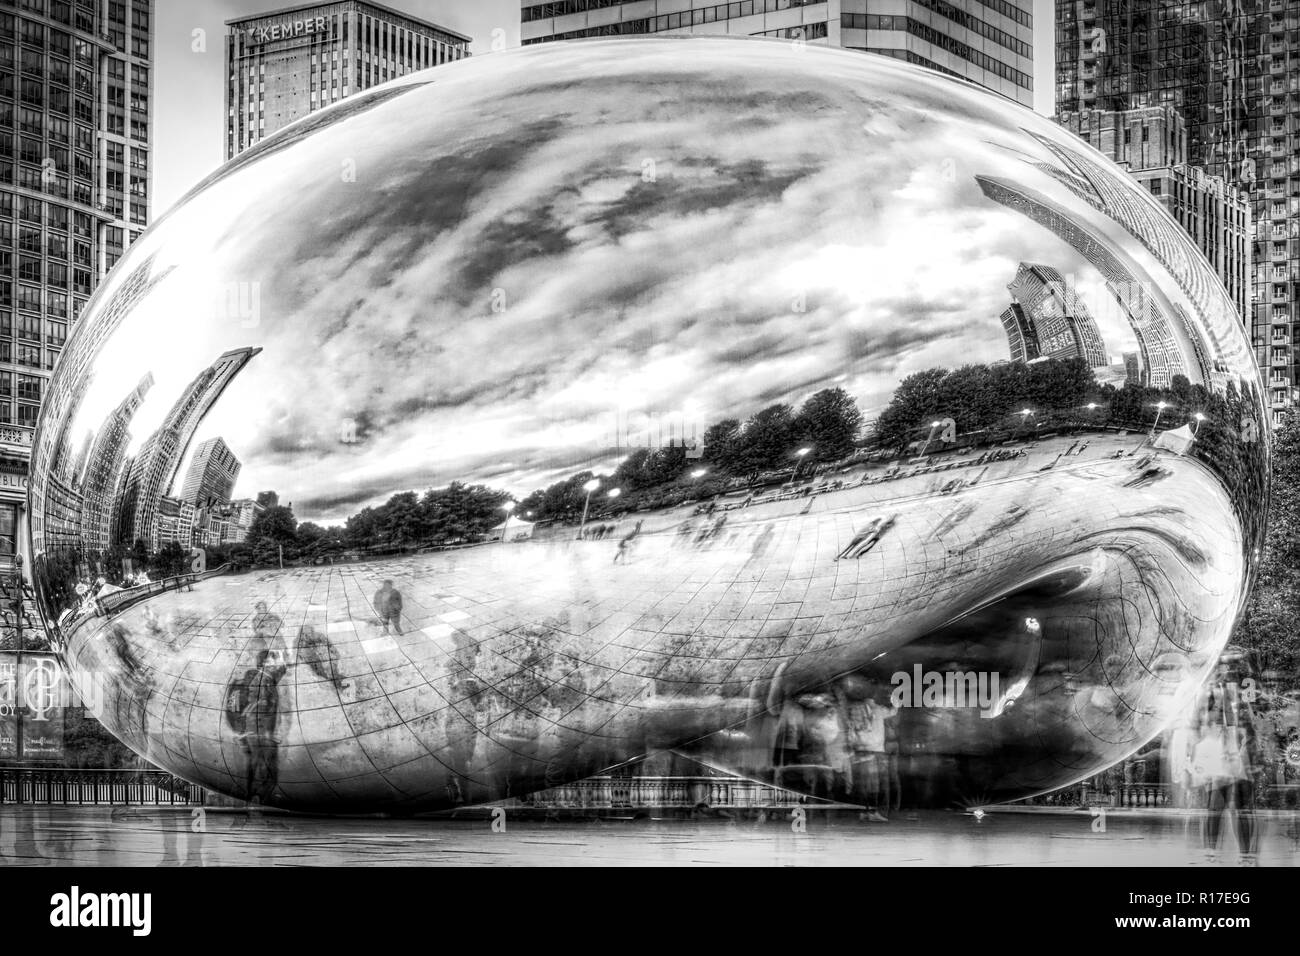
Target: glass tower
point(988, 42)
point(75, 93)
point(1232, 70)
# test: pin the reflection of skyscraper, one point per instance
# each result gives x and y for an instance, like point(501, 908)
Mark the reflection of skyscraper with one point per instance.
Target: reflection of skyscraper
point(1150, 322)
point(157, 462)
point(211, 477)
point(1132, 369)
point(1233, 71)
point(1062, 326)
point(104, 466)
point(1151, 144)
point(1020, 334)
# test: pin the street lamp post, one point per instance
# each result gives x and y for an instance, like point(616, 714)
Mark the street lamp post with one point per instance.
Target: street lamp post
point(588, 487)
point(799, 457)
point(1160, 408)
point(1025, 414)
point(508, 508)
point(934, 427)
point(1200, 417)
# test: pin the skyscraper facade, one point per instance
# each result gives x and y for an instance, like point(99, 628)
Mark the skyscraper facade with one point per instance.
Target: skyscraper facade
point(210, 479)
point(285, 64)
point(1232, 70)
point(988, 42)
point(1151, 143)
point(1062, 326)
point(150, 475)
point(75, 173)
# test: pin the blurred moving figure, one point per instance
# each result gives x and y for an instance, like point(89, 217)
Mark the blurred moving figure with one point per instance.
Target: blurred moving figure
point(1224, 760)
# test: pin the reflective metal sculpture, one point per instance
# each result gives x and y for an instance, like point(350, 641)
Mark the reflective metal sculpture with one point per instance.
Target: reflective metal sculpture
point(830, 421)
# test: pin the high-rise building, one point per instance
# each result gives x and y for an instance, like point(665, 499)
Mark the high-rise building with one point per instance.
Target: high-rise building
point(285, 64)
point(211, 477)
point(1062, 326)
point(154, 468)
point(1151, 143)
point(239, 517)
point(75, 175)
point(1232, 70)
point(1021, 335)
point(986, 41)
point(104, 468)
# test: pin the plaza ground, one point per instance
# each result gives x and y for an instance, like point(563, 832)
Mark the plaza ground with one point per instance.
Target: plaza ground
point(149, 837)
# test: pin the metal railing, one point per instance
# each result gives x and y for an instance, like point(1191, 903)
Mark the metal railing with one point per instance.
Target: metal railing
point(66, 787)
point(659, 792)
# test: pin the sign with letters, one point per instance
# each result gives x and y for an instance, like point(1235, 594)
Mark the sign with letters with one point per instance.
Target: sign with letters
point(289, 30)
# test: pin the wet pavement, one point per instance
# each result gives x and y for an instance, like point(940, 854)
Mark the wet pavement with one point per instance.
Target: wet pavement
point(145, 836)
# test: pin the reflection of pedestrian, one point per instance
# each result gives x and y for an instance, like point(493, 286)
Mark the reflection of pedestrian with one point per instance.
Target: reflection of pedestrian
point(625, 544)
point(388, 605)
point(866, 539)
point(266, 630)
point(253, 713)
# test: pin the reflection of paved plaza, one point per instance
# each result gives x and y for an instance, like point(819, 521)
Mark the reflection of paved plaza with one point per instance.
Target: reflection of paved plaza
point(141, 836)
point(525, 661)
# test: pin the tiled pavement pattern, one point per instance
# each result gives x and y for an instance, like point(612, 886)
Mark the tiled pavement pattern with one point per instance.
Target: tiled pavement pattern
point(139, 836)
point(524, 664)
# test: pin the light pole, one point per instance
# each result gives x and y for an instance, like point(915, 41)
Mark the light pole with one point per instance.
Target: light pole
point(1200, 417)
point(1025, 414)
point(934, 426)
point(588, 487)
point(1160, 408)
point(508, 508)
point(799, 457)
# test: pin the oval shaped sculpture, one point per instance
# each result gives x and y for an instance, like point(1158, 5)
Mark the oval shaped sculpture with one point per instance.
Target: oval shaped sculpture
point(801, 411)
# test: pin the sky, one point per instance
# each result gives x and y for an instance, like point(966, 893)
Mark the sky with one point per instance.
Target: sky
point(190, 92)
point(486, 272)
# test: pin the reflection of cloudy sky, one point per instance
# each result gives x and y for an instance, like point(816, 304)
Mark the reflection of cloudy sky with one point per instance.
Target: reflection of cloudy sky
point(528, 255)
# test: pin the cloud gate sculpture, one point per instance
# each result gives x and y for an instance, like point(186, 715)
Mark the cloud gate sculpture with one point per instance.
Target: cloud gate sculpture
point(801, 411)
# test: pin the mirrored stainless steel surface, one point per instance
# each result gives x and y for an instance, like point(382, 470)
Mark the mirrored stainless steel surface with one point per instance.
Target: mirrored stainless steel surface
point(815, 415)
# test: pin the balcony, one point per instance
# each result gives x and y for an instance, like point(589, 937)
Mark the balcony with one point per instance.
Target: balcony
point(1088, 72)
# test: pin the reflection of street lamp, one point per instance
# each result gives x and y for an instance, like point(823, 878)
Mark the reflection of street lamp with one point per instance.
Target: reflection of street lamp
point(1160, 408)
point(799, 456)
point(588, 487)
point(1025, 414)
point(699, 472)
point(934, 426)
point(1200, 417)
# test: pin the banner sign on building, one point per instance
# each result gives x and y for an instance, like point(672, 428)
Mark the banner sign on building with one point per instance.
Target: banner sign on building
point(8, 706)
point(36, 694)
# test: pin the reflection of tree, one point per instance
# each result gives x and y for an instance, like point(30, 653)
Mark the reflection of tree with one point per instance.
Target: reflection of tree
point(827, 423)
point(979, 397)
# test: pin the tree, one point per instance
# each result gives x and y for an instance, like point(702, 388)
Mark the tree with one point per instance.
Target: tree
point(917, 399)
point(829, 421)
point(1268, 628)
point(274, 528)
point(767, 441)
point(719, 443)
